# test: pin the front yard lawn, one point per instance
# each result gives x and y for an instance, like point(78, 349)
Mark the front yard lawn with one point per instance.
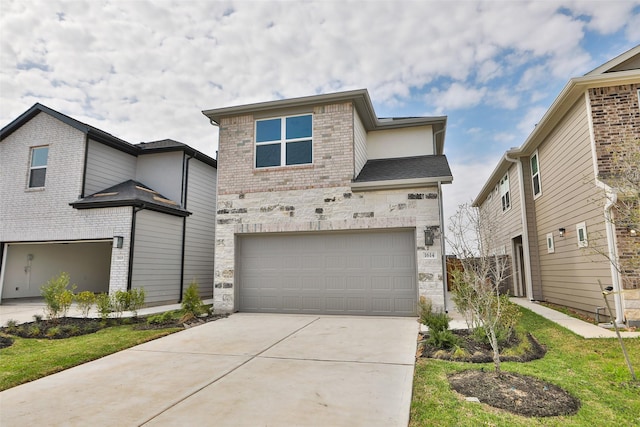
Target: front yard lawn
point(31, 358)
point(592, 370)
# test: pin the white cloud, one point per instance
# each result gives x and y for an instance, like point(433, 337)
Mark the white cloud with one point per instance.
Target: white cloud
point(530, 120)
point(456, 96)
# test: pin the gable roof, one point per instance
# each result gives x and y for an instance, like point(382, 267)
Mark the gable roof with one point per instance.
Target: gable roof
point(605, 75)
point(403, 172)
point(104, 137)
point(360, 99)
point(131, 193)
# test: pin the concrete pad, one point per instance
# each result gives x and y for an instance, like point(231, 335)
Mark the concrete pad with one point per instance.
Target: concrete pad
point(350, 338)
point(286, 392)
point(239, 334)
point(124, 389)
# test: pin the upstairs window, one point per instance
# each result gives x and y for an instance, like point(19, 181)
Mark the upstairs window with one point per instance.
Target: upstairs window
point(504, 193)
point(535, 175)
point(581, 234)
point(284, 141)
point(38, 168)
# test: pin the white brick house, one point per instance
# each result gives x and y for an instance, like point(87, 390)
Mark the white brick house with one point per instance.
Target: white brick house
point(70, 191)
point(325, 208)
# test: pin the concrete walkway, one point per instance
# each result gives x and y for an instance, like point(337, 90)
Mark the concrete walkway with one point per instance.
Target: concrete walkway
point(245, 370)
point(577, 326)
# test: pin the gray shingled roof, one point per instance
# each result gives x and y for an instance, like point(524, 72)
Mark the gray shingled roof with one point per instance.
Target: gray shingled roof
point(435, 166)
point(130, 193)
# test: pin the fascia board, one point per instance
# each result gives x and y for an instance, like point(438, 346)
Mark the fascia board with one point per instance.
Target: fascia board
point(400, 183)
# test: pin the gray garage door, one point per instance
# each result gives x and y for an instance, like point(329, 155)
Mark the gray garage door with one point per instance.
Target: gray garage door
point(366, 273)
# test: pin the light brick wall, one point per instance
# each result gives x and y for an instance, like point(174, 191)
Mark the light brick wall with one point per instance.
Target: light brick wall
point(44, 214)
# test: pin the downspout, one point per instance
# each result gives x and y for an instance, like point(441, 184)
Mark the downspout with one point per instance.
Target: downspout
point(185, 180)
point(84, 167)
point(613, 256)
point(442, 247)
point(131, 242)
point(525, 228)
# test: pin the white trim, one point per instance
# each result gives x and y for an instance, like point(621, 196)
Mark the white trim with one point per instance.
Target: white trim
point(3, 262)
point(551, 248)
point(400, 183)
point(506, 205)
point(32, 168)
point(582, 227)
point(537, 156)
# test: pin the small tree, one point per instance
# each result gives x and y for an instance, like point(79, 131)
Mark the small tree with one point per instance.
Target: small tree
point(472, 238)
point(56, 296)
point(85, 301)
point(192, 305)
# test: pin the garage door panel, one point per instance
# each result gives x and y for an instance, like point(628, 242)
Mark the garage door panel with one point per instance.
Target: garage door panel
point(360, 273)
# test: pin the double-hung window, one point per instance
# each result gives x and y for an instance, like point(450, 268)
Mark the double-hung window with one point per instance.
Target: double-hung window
point(38, 168)
point(504, 193)
point(284, 141)
point(535, 175)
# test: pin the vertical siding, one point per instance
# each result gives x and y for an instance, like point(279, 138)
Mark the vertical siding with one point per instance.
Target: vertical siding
point(569, 276)
point(106, 167)
point(157, 256)
point(360, 141)
point(200, 231)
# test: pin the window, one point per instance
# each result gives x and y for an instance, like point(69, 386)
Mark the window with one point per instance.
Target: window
point(535, 175)
point(550, 246)
point(504, 193)
point(38, 169)
point(581, 232)
point(284, 141)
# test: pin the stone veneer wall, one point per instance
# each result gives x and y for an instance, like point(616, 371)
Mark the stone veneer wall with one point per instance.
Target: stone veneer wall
point(616, 127)
point(326, 209)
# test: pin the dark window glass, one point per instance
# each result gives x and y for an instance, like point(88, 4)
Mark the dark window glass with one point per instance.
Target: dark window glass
point(268, 130)
point(36, 178)
point(267, 155)
point(299, 127)
point(299, 152)
point(536, 185)
point(39, 156)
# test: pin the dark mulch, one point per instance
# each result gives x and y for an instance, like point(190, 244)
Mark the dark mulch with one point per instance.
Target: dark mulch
point(519, 394)
point(480, 352)
point(67, 327)
point(5, 341)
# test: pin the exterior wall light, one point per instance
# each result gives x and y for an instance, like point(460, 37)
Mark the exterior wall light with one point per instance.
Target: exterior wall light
point(633, 230)
point(561, 231)
point(429, 235)
point(118, 241)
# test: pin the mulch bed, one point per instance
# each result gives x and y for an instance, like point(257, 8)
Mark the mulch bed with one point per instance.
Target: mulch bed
point(519, 394)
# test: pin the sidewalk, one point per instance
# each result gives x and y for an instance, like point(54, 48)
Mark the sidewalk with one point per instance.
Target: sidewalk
point(577, 326)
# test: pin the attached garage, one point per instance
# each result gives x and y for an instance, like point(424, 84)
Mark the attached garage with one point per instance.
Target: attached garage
point(353, 273)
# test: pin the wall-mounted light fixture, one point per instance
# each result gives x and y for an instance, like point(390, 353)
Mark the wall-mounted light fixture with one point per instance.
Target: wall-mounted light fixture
point(118, 241)
point(430, 234)
point(561, 231)
point(633, 230)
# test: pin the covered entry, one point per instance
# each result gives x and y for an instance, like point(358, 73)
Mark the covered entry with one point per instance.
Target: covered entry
point(27, 266)
point(355, 273)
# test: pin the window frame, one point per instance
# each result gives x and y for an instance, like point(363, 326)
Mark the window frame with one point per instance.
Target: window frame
point(32, 168)
point(584, 242)
point(283, 141)
point(551, 247)
point(536, 175)
point(505, 195)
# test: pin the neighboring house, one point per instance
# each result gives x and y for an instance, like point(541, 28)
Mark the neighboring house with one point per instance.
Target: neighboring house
point(324, 208)
point(114, 215)
point(550, 195)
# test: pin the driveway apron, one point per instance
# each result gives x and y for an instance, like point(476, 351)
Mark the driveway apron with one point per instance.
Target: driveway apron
point(245, 370)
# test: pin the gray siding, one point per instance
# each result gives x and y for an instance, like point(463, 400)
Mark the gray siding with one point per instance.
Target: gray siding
point(200, 231)
point(157, 256)
point(360, 141)
point(163, 173)
point(106, 167)
point(569, 276)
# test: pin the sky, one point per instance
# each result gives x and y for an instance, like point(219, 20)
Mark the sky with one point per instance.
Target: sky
point(144, 70)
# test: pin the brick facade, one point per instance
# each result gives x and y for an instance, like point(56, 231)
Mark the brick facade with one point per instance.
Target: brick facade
point(312, 198)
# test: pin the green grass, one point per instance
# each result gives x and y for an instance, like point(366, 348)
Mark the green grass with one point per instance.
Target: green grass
point(592, 370)
point(29, 359)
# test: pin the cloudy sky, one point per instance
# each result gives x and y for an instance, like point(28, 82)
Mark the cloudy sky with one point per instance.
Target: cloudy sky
point(144, 70)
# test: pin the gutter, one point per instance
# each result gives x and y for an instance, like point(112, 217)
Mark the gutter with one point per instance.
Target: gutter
point(612, 198)
point(185, 186)
point(525, 227)
point(443, 250)
point(131, 242)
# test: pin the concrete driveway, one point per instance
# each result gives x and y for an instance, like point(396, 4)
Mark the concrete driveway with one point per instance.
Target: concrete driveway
point(246, 370)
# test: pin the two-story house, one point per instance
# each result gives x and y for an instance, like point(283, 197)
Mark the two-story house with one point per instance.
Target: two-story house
point(556, 199)
point(325, 208)
point(113, 215)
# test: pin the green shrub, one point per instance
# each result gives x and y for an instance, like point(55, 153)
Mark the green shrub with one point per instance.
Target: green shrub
point(192, 305)
point(104, 306)
point(435, 321)
point(12, 326)
point(56, 296)
point(37, 317)
point(136, 300)
point(162, 318)
point(54, 332)
point(443, 338)
point(34, 331)
point(85, 301)
point(131, 300)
